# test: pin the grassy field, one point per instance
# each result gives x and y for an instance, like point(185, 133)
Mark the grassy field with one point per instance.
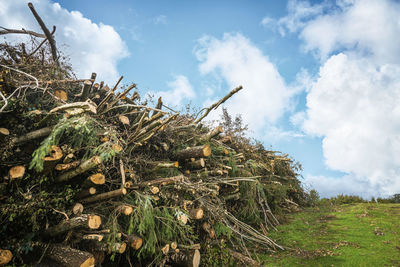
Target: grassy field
point(346, 235)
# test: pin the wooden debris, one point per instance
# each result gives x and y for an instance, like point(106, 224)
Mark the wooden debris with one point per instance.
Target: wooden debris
point(194, 152)
point(77, 209)
point(85, 166)
point(85, 220)
point(103, 196)
point(4, 131)
point(135, 241)
point(5, 256)
point(16, 172)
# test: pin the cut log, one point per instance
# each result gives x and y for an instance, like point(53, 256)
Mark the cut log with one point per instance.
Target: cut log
point(194, 152)
point(197, 164)
point(96, 237)
point(211, 134)
point(4, 131)
point(209, 229)
point(226, 139)
point(187, 258)
point(154, 189)
point(183, 218)
point(16, 172)
point(196, 214)
point(163, 181)
point(165, 249)
point(85, 220)
point(77, 209)
point(85, 166)
point(85, 90)
point(67, 166)
point(43, 132)
point(68, 158)
point(61, 94)
point(125, 209)
point(67, 256)
point(86, 192)
point(118, 247)
point(5, 256)
point(174, 245)
point(55, 154)
point(103, 196)
point(123, 119)
point(135, 241)
point(94, 179)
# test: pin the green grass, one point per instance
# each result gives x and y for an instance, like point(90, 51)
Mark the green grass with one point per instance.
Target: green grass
point(346, 235)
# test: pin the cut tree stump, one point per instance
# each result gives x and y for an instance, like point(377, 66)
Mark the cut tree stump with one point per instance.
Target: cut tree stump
point(85, 220)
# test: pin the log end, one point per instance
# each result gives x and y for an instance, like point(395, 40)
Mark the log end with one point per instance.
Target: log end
point(4, 131)
point(55, 154)
point(94, 221)
point(5, 256)
point(97, 178)
point(206, 151)
point(90, 262)
point(196, 258)
point(16, 172)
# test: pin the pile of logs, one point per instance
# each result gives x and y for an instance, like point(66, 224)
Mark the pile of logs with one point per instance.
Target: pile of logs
point(92, 174)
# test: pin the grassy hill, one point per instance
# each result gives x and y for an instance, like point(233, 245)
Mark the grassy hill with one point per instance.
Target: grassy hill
point(362, 234)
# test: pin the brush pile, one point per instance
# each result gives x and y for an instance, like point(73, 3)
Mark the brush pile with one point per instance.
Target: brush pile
point(92, 175)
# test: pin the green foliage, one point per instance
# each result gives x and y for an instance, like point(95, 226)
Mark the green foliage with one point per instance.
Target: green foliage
point(78, 133)
point(312, 198)
point(222, 230)
point(345, 199)
point(217, 255)
point(156, 225)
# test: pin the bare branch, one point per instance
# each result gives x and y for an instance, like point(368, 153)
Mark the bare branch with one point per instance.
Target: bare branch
point(23, 31)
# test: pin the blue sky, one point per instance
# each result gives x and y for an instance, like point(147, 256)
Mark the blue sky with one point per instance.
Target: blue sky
point(320, 77)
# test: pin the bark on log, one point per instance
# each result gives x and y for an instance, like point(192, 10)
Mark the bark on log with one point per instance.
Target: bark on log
point(43, 132)
point(103, 196)
point(85, 166)
point(67, 256)
point(118, 247)
point(85, 90)
point(5, 256)
point(85, 193)
point(194, 152)
point(162, 181)
point(16, 172)
point(226, 139)
point(84, 220)
point(211, 134)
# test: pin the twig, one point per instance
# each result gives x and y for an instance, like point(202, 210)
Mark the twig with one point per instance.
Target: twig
point(46, 31)
point(121, 168)
point(23, 31)
point(216, 105)
point(63, 213)
point(40, 45)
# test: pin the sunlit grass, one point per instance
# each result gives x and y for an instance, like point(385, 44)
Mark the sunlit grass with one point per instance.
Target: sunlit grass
point(346, 235)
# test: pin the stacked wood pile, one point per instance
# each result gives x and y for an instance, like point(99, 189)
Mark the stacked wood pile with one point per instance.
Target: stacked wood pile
point(90, 174)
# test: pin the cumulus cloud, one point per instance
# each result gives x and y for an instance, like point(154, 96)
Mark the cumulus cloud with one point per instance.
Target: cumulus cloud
point(353, 103)
point(180, 90)
point(354, 107)
point(239, 62)
point(298, 14)
point(91, 47)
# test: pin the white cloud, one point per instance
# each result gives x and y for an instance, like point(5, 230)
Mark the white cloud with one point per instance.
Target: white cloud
point(347, 185)
point(366, 27)
point(353, 103)
point(239, 62)
point(92, 47)
point(180, 89)
point(161, 19)
point(354, 106)
point(298, 13)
